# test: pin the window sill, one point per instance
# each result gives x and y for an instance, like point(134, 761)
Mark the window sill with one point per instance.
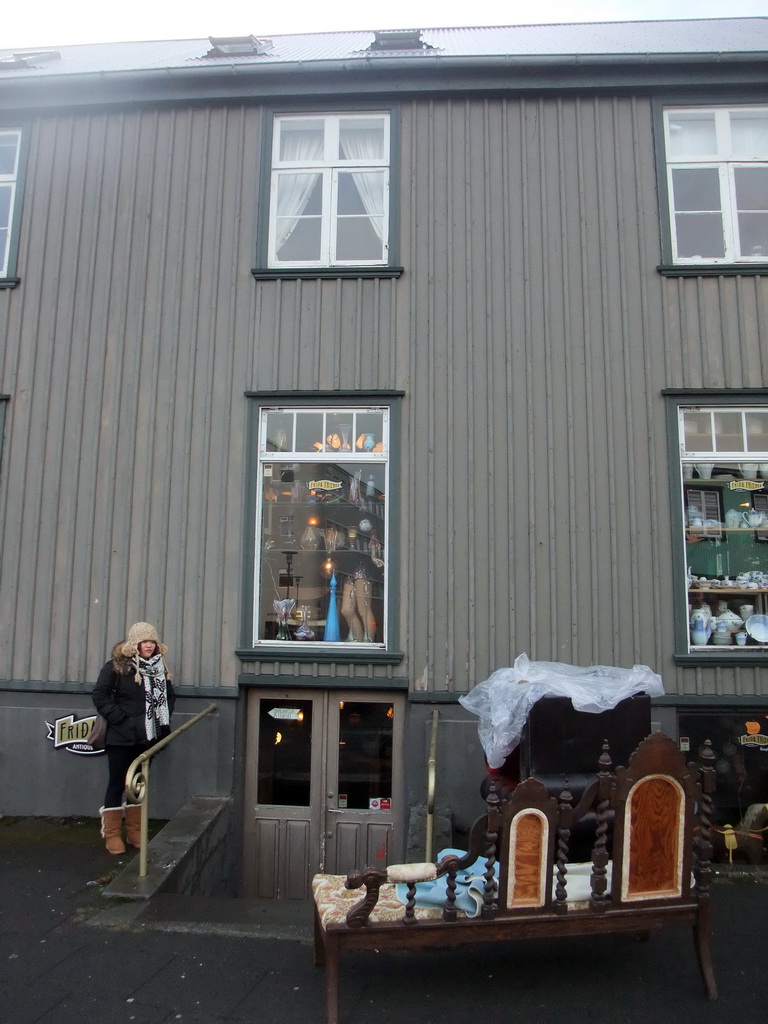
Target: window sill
point(345, 655)
point(9, 282)
point(713, 269)
point(741, 658)
point(311, 273)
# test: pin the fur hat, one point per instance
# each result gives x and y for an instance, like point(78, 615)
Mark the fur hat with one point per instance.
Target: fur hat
point(139, 632)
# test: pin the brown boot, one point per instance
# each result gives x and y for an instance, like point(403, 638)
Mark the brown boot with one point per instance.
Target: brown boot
point(133, 825)
point(111, 827)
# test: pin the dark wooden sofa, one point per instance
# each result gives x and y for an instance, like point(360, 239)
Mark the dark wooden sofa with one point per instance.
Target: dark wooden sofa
point(656, 873)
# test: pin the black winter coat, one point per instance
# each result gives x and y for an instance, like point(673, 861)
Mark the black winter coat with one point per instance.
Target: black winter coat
point(120, 699)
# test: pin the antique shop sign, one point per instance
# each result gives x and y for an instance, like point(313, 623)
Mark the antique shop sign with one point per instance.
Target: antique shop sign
point(72, 734)
point(292, 714)
point(745, 485)
point(324, 485)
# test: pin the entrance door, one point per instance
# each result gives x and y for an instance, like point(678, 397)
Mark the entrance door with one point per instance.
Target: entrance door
point(323, 786)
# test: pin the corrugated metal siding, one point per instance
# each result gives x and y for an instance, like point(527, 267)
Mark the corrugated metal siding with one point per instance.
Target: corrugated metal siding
point(531, 333)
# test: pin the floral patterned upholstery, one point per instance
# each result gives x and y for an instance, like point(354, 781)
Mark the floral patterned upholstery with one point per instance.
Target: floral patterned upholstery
point(334, 901)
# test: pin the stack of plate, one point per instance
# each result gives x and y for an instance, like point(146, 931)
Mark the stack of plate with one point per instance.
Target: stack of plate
point(722, 638)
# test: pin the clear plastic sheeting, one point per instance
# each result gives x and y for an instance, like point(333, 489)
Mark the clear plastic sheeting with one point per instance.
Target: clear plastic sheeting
point(503, 701)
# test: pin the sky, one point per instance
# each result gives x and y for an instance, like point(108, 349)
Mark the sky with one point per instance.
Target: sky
point(52, 22)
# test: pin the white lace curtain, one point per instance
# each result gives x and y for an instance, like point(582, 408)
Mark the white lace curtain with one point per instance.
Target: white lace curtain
point(294, 189)
point(362, 146)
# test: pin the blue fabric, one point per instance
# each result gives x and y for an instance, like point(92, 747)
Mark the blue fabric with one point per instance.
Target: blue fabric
point(470, 887)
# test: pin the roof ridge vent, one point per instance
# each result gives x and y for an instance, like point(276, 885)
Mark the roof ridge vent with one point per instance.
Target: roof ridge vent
point(25, 58)
point(399, 39)
point(238, 46)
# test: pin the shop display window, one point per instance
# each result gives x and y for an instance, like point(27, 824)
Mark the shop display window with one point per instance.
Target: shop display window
point(740, 744)
point(724, 520)
point(322, 528)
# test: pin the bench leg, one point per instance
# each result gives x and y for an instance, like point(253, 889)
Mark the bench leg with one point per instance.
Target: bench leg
point(319, 942)
point(331, 979)
point(701, 940)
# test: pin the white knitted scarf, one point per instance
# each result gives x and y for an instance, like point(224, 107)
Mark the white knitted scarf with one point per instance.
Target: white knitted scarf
point(152, 673)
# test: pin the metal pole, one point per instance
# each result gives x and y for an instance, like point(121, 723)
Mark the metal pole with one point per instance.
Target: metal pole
point(144, 825)
point(431, 785)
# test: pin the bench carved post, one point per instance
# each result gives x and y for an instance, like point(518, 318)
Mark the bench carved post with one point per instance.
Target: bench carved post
point(565, 821)
point(449, 910)
point(490, 903)
point(703, 846)
point(599, 878)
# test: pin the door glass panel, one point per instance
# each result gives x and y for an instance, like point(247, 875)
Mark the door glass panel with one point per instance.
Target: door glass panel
point(285, 752)
point(365, 755)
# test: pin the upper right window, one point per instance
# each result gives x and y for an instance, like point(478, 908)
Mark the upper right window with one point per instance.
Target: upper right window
point(10, 144)
point(717, 182)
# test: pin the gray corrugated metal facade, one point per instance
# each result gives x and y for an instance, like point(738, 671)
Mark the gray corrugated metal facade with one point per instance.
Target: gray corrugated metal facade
point(531, 334)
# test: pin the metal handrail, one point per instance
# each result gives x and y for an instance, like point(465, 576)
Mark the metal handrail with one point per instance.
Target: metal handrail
point(431, 786)
point(137, 781)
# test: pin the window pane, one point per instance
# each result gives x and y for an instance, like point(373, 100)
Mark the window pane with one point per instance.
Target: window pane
point(700, 234)
point(9, 146)
point(697, 431)
point(692, 134)
point(279, 432)
point(757, 431)
point(357, 238)
point(365, 753)
point(302, 139)
point(361, 139)
point(309, 431)
point(360, 237)
point(285, 752)
point(753, 235)
point(696, 188)
point(751, 188)
point(729, 434)
point(749, 134)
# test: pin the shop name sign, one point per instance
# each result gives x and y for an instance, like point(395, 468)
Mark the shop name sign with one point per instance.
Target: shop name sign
point(72, 734)
point(324, 485)
point(755, 740)
point(745, 485)
point(291, 714)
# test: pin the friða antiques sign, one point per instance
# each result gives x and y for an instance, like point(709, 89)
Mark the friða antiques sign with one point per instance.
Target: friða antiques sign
point(72, 734)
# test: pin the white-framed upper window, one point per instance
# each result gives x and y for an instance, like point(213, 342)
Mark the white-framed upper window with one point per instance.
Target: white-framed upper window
point(10, 145)
point(717, 181)
point(329, 193)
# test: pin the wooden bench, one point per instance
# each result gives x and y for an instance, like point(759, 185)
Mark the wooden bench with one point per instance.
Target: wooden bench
point(656, 875)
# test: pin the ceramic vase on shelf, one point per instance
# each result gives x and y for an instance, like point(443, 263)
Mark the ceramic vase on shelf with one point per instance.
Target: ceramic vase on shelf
point(704, 469)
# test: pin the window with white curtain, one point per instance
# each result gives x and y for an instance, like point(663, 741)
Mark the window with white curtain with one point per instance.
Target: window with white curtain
point(10, 144)
point(329, 196)
point(717, 181)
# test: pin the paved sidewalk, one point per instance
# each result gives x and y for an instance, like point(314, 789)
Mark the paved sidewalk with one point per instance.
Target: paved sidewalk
point(68, 955)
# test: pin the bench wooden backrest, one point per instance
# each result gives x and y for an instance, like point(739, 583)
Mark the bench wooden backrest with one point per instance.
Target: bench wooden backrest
point(653, 803)
point(654, 800)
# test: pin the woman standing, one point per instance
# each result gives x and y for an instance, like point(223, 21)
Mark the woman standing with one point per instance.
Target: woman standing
point(135, 694)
